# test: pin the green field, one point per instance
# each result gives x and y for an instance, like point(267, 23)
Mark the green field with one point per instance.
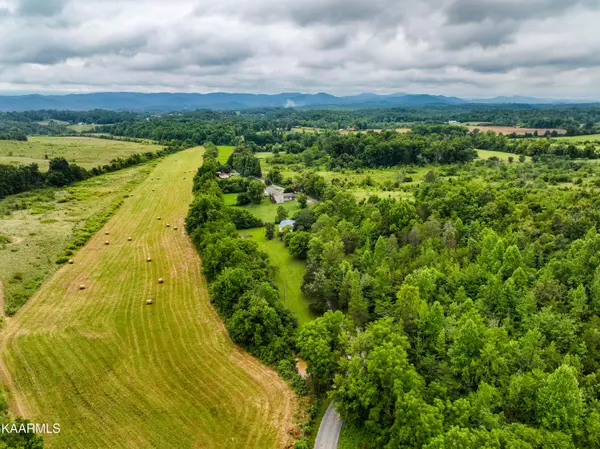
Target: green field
point(580, 139)
point(47, 220)
point(224, 153)
point(267, 211)
point(85, 151)
point(115, 372)
point(485, 154)
point(82, 128)
point(290, 272)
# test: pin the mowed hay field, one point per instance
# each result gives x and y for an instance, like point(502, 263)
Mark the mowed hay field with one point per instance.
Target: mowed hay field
point(117, 373)
point(85, 151)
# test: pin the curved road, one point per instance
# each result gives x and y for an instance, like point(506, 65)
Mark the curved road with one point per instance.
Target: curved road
point(329, 430)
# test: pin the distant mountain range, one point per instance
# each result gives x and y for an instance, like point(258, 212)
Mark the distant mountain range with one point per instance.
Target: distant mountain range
point(164, 102)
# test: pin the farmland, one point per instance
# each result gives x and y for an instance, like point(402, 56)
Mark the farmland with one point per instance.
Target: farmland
point(116, 372)
point(85, 151)
point(580, 139)
point(513, 129)
point(288, 276)
point(46, 221)
point(486, 154)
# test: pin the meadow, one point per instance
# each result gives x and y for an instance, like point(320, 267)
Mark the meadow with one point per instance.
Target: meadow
point(116, 372)
point(288, 276)
point(38, 226)
point(579, 139)
point(87, 152)
point(486, 154)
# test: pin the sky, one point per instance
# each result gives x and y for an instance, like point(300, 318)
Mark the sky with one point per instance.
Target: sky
point(468, 48)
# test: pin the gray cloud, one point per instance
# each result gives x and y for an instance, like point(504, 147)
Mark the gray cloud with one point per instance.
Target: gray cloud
point(453, 47)
point(40, 7)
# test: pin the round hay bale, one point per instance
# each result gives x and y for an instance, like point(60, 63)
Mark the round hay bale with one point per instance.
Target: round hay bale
point(175, 228)
point(129, 239)
point(82, 287)
point(148, 302)
point(148, 259)
point(153, 190)
point(106, 242)
point(168, 225)
point(70, 261)
point(107, 233)
point(158, 218)
point(161, 280)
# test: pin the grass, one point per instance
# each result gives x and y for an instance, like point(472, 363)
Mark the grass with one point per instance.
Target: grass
point(290, 272)
point(41, 224)
point(85, 151)
point(224, 153)
point(267, 211)
point(486, 154)
point(580, 139)
point(82, 128)
point(118, 373)
point(353, 437)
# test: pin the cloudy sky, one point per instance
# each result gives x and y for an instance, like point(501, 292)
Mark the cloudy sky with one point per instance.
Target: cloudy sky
point(548, 48)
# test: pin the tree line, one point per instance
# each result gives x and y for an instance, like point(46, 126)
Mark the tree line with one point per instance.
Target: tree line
point(467, 318)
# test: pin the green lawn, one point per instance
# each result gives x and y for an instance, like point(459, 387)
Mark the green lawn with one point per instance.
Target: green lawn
point(267, 211)
point(486, 154)
point(290, 272)
point(230, 199)
point(117, 373)
point(224, 153)
point(85, 151)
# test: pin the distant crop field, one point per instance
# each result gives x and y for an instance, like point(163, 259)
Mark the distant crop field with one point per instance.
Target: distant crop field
point(288, 277)
point(116, 372)
point(85, 151)
point(513, 129)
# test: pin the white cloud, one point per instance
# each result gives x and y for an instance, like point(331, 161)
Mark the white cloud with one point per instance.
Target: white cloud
point(453, 47)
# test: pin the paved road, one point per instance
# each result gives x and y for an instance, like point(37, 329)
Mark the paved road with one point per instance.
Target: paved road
point(329, 430)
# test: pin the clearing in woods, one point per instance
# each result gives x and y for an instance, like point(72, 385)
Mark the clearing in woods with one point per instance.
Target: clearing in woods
point(85, 151)
point(115, 372)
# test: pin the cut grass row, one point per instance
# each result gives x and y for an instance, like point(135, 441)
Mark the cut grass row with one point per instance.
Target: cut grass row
point(116, 372)
point(85, 151)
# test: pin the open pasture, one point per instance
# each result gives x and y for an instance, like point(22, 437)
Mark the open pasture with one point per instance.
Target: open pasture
point(88, 352)
point(85, 151)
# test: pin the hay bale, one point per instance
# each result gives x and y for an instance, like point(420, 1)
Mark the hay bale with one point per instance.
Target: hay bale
point(106, 242)
point(148, 302)
point(168, 225)
point(70, 261)
point(158, 218)
point(129, 239)
point(175, 228)
point(148, 259)
point(107, 233)
point(161, 280)
point(82, 287)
